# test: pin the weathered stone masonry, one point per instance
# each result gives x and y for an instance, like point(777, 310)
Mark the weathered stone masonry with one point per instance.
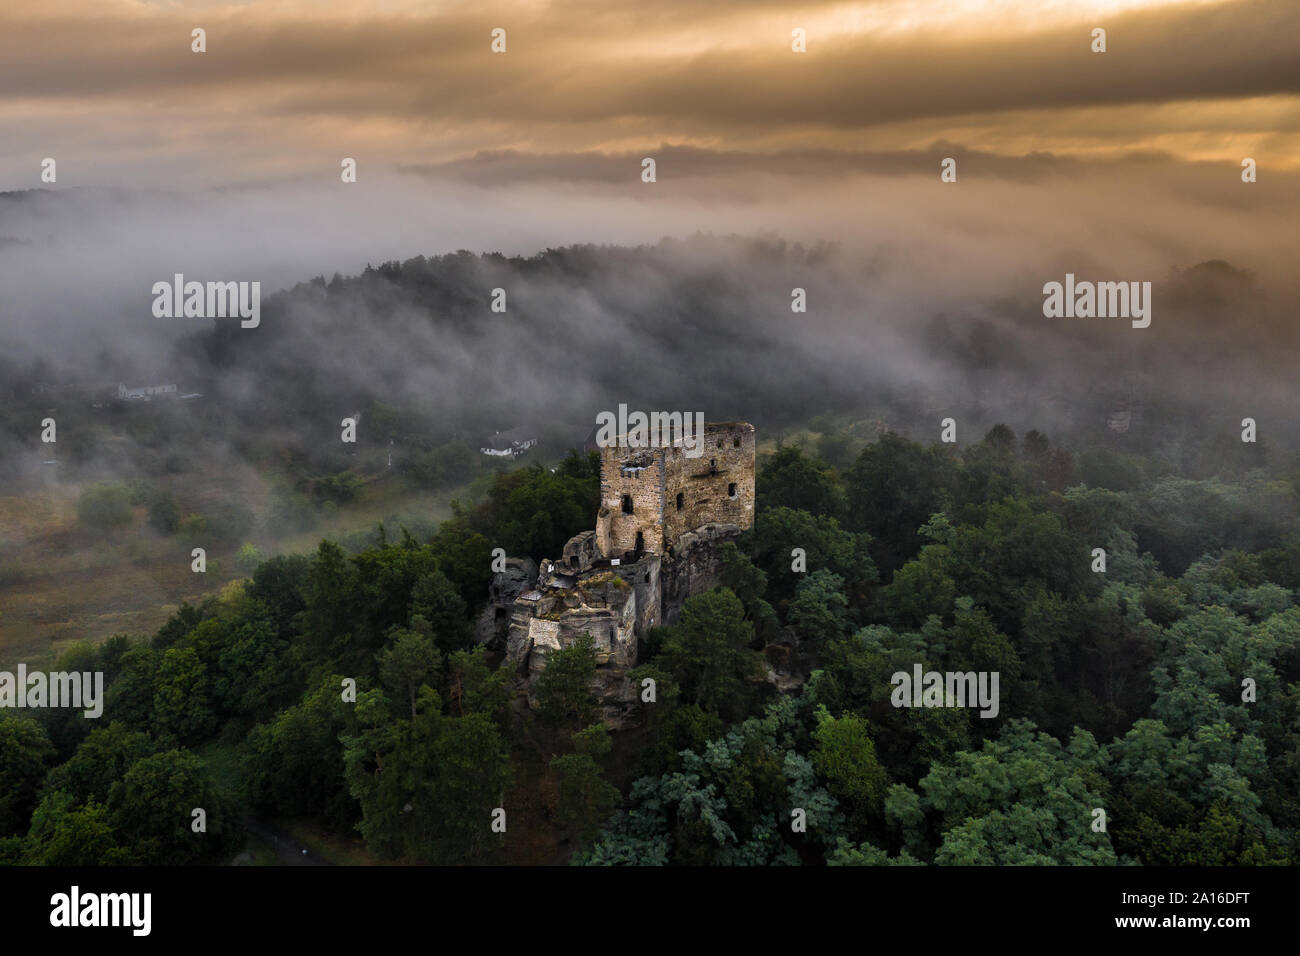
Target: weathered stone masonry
point(662, 516)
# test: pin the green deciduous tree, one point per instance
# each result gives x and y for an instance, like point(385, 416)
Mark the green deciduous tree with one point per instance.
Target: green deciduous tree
point(25, 755)
point(101, 760)
point(791, 479)
point(410, 662)
point(566, 696)
point(436, 599)
point(103, 507)
point(586, 799)
point(708, 653)
point(64, 833)
point(427, 786)
point(294, 763)
point(845, 757)
point(181, 705)
point(152, 806)
point(894, 487)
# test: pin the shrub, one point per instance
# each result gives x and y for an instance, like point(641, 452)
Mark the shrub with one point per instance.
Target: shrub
point(104, 506)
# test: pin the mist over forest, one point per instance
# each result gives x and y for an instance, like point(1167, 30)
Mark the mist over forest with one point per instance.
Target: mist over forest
point(896, 331)
point(376, 558)
point(988, 554)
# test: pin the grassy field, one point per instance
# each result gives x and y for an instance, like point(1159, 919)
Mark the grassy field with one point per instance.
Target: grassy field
point(60, 583)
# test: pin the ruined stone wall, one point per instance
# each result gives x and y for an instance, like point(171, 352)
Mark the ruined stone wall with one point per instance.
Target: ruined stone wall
point(670, 494)
point(631, 477)
point(579, 552)
point(603, 605)
point(644, 578)
point(612, 630)
point(717, 487)
point(618, 604)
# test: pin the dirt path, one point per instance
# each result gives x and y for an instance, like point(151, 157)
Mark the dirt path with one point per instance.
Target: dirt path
point(287, 850)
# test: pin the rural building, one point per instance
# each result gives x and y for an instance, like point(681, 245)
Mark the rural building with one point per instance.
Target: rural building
point(509, 444)
point(144, 392)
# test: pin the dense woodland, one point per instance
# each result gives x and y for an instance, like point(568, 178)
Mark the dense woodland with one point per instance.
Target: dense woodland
point(1120, 690)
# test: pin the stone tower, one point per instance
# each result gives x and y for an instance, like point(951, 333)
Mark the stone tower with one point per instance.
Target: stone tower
point(650, 497)
point(663, 517)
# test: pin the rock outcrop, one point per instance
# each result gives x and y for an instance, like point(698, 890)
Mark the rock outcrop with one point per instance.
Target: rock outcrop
point(520, 575)
point(662, 517)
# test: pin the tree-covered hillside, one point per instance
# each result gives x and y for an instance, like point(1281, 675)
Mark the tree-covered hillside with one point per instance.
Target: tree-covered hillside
point(1163, 691)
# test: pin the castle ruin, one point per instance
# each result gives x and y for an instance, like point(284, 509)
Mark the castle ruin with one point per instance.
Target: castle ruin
point(662, 516)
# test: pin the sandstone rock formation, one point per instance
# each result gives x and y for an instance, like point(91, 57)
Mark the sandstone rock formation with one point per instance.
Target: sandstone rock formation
point(662, 517)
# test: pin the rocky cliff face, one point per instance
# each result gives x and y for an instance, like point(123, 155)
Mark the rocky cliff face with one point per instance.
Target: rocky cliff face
point(520, 575)
point(615, 604)
point(598, 603)
point(692, 567)
point(638, 567)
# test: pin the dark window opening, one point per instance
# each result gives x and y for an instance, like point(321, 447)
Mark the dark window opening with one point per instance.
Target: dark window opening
point(680, 499)
point(713, 464)
point(731, 490)
point(640, 542)
point(735, 443)
point(613, 637)
point(627, 504)
point(647, 577)
point(501, 613)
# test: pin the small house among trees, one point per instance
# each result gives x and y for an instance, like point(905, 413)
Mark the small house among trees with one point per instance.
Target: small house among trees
point(511, 443)
point(144, 392)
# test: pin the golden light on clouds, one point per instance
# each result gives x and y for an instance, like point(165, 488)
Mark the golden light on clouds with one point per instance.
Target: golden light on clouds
point(285, 85)
point(976, 16)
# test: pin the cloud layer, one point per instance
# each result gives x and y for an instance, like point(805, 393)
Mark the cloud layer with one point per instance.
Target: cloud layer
point(287, 89)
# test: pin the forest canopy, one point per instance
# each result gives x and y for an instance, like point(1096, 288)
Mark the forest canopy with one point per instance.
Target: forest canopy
point(1163, 692)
